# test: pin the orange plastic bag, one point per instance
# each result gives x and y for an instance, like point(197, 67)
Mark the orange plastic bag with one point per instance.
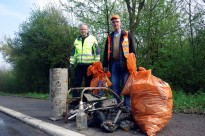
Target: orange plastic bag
point(131, 63)
point(132, 68)
point(151, 100)
point(96, 69)
point(151, 103)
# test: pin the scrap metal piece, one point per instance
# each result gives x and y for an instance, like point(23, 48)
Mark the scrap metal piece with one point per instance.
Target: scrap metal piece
point(109, 126)
point(125, 125)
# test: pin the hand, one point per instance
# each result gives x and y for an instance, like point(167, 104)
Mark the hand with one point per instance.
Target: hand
point(105, 69)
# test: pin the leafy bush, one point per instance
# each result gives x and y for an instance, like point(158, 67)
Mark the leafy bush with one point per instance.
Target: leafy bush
point(7, 81)
point(189, 103)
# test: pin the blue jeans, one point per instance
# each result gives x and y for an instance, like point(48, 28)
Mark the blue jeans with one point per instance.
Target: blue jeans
point(117, 74)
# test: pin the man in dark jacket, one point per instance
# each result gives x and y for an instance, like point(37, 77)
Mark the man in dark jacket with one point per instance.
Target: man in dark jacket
point(119, 43)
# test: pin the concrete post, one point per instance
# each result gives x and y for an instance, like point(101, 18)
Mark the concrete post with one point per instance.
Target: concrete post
point(58, 92)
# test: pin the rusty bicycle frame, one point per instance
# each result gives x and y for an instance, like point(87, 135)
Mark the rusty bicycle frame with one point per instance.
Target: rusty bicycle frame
point(66, 118)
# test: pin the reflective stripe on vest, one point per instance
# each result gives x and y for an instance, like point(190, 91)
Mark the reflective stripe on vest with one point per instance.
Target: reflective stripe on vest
point(83, 54)
point(125, 45)
point(109, 48)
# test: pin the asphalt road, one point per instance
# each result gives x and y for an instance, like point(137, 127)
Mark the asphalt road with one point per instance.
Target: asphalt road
point(13, 127)
point(179, 125)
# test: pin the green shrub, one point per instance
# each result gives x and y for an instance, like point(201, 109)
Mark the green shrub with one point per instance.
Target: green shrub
point(7, 81)
point(189, 103)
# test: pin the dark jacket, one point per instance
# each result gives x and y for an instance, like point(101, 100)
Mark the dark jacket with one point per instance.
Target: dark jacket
point(132, 49)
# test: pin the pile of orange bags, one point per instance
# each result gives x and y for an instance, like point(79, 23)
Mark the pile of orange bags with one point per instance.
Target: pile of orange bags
point(96, 69)
point(151, 98)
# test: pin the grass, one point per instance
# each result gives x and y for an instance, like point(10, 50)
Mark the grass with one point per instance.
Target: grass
point(189, 103)
point(30, 95)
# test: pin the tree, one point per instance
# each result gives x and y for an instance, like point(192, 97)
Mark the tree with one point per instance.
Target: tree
point(43, 42)
point(134, 8)
point(96, 13)
point(158, 29)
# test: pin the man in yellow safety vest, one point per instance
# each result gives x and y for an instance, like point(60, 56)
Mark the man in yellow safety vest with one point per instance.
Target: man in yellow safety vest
point(84, 53)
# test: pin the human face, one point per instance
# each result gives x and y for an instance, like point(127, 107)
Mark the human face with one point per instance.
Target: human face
point(84, 30)
point(116, 23)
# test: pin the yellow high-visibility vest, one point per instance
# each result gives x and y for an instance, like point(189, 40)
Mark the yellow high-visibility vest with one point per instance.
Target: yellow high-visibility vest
point(86, 53)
